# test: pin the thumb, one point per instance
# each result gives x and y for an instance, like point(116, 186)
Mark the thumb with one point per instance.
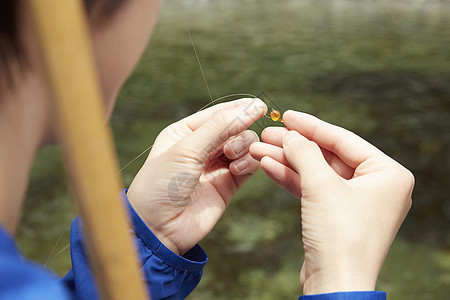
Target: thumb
point(307, 159)
point(221, 126)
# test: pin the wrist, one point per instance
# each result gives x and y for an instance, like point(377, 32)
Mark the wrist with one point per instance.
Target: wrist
point(329, 281)
point(140, 211)
point(166, 241)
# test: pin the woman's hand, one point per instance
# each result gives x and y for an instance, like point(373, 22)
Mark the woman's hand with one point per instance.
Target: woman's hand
point(194, 168)
point(353, 199)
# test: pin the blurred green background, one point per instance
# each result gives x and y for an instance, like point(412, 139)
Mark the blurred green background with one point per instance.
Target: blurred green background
point(378, 68)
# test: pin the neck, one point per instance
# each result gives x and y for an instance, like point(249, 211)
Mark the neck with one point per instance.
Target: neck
point(24, 121)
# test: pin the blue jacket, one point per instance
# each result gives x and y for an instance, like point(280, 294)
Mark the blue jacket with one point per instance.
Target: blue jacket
point(168, 276)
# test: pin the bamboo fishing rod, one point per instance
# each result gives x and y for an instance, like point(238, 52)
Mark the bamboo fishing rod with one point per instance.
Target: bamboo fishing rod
point(62, 31)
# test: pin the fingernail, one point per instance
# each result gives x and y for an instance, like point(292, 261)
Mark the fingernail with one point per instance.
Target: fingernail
point(291, 136)
point(237, 147)
point(256, 107)
point(241, 165)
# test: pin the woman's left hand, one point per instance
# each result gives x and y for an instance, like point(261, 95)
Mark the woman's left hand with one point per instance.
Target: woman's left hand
point(193, 170)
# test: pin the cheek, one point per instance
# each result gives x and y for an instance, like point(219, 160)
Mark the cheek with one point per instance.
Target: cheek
point(119, 43)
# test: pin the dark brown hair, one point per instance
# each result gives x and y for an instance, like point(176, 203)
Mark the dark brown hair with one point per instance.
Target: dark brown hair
point(11, 48)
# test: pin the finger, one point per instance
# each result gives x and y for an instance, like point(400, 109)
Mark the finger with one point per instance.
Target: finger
point(244, 165)
point(196, 120)
point(341, 168)
point(274, 135)
point(259, 150)
point(178, 130)
point(349, 147)
point(307, 160)
point(229, 181)
point(221, 126)
point(238, 146)
point(282, 175)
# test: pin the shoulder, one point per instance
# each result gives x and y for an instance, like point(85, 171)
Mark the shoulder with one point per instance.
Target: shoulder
point(22, 279)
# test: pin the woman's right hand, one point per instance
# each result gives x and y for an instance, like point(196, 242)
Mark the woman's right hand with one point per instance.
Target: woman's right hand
point(194, 169)
point(353, 199)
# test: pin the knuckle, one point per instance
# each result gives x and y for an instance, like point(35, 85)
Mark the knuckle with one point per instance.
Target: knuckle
point(408, 204)
point(404, 181)
point(220, 120)
point(309, 146)
point(304, 147)
point(221, 124)
point(405, 178)
point(166, 130)
point(409, 176)
point(409, 186)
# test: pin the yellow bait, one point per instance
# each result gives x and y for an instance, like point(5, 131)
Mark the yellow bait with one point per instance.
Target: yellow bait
point(275, 115)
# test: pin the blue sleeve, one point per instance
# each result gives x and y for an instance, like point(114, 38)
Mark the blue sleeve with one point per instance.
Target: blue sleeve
point(21, 279)
point(167, 275)
point(372, 295)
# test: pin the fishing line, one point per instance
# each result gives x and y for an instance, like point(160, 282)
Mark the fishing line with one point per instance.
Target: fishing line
point(199, 64)
point(56, 245)
point(213, 101)
point(134, 159)
point(207, 105)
